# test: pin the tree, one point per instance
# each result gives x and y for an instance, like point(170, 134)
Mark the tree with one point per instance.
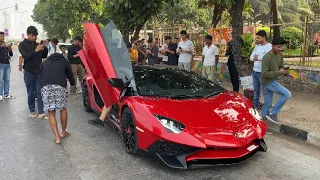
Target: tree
point(57, 17)
point(218, 8)
point(186, 12)
point(236, 11)
point(131, 15)
point(288, 10)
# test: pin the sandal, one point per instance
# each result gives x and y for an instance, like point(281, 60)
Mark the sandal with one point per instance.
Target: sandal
point(56, 142)
point(32, 115)
point(65, 136)
point(43, 117)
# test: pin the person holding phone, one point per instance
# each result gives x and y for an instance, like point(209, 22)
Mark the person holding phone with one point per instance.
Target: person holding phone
point(32, 53)
point(5, 56)
point(262, 48)
point(272, 68)
point(185, 51)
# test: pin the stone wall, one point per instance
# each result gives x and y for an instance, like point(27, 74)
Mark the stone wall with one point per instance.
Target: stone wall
point(304, 79)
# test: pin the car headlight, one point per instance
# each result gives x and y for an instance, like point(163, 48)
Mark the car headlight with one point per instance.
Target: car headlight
point(255, 113)
point(171, 126)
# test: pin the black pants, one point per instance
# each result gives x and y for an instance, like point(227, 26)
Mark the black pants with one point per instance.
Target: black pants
point(234, 76)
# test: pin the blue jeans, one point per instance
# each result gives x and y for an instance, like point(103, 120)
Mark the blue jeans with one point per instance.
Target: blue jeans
point(4, 79)
point(32, 82)
point(268, 92)
point(256, 88)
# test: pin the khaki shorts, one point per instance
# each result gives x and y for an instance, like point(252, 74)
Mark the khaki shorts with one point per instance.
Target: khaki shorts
point(210, 72)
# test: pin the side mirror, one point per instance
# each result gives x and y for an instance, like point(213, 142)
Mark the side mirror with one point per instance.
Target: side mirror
point(116, 82)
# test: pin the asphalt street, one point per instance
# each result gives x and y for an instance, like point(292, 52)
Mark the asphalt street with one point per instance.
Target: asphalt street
point(27, 151)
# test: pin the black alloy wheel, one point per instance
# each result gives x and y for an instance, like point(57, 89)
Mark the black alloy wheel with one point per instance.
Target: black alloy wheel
point(86, 101)
point(129, 132)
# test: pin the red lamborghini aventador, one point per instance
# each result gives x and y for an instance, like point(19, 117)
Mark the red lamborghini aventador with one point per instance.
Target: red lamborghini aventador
point(178, 117)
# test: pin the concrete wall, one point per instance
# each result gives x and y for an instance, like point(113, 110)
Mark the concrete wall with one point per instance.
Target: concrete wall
point(305, 79)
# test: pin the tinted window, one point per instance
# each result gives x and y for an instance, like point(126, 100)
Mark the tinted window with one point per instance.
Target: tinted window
point(118, 51)
point(172, 82)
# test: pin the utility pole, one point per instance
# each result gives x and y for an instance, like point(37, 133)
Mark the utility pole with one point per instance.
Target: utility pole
point(305, 34)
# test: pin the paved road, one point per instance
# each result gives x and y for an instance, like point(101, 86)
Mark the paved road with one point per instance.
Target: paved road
point(27, 151)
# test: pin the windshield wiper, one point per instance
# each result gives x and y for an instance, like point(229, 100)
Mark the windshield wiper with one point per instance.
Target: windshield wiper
point(214, 94)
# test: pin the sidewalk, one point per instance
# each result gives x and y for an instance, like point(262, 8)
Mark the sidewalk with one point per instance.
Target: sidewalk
point(300, 117)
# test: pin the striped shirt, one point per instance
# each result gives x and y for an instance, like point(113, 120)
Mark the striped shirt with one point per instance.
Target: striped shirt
point(260, 50)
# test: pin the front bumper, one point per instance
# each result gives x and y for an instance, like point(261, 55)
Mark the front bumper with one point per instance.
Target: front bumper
point(184, 157)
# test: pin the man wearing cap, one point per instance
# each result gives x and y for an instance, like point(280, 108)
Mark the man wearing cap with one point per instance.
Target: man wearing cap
point(258, 53)
point(75, 61)
point(272, 68)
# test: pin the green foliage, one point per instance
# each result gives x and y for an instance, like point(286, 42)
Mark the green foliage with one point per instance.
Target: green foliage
point(57, 17)
point(288, 10)
point(293, 36)
point(139, 12)
point(186, 12)
point(247, 46)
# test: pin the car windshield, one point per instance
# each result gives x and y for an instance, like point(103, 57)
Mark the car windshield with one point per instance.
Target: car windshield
point(118, 51)
point(173, 83)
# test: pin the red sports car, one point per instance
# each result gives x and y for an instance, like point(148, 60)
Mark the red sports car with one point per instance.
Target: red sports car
point(178, 117)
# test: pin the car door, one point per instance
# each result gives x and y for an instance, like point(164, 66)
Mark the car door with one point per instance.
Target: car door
point(105, 56)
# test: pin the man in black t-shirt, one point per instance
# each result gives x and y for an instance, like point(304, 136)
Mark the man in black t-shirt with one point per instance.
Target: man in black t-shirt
point(5, 55)
point(32, 53)
point(76, 64)
point(171, 52)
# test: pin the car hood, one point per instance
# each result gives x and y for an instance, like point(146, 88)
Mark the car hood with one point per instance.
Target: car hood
point(225, 111)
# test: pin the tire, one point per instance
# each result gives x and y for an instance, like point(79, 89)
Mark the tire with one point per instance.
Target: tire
point(129, 132)
point(86, 101)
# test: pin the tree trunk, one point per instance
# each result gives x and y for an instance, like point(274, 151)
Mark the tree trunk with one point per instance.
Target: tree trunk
point(275, 20)
point(137, 30)
point(217, 14)
point(237, 31)
point(127, 27)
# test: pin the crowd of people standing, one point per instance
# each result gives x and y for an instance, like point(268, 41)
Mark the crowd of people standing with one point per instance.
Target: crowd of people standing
point(47, 66)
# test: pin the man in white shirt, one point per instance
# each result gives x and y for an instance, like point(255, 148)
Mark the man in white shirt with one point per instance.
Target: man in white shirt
point(263, 47)
point(163, 52)
point(54, 47)
point(210, 58)
point(185, 50)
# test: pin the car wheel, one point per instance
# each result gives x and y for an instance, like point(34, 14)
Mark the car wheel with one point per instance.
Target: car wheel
point(129, 132)
point(86, 101)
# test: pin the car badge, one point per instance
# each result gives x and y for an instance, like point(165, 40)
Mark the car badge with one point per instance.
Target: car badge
point(235, 135)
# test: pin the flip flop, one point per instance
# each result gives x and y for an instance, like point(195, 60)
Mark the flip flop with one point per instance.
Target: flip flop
point(65, 136)
point(56, 142)
point(43, 117)
point(32, 115)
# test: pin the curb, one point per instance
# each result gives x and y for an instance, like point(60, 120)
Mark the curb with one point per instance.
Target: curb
point(294, 132)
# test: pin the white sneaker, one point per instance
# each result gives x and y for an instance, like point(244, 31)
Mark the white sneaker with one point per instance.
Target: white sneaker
point(1, 98)
point(80, 92)
point(9, 97)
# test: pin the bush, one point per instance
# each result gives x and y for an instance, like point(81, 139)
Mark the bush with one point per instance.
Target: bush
point(247, 47)
point(293, 36)
point(312, 50)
